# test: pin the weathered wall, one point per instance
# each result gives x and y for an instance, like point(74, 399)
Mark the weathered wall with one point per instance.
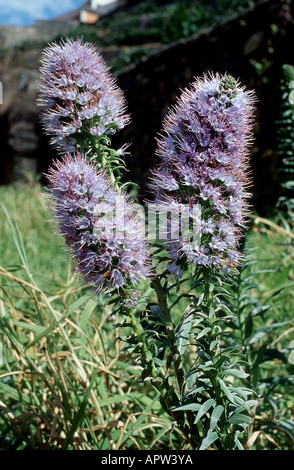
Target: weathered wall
point(23, 145)
point(251, 47)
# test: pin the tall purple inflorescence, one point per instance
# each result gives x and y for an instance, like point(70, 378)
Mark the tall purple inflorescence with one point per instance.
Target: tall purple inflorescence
point(204, 162)
point(99, 224)
point(79, 96)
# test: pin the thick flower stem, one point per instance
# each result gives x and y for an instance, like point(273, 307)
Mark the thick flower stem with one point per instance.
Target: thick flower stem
point(168, 397)
point(176, 358)
point(170, 333)
point(100, 157)
point(155, 376)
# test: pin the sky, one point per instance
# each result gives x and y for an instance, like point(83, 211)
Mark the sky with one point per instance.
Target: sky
point(26, 12)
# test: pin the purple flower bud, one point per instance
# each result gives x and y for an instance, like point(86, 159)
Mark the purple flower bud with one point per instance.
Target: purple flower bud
point(78, 95)
point(99, 225)
point(204, 161)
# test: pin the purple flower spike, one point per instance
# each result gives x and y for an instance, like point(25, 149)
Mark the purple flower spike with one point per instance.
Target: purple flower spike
point(79, 96)
point(99, 225)
point(204, 161)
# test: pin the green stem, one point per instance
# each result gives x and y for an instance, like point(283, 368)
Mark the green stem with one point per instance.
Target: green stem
point(215, 355)
point(160, 382)
point(177, 362)
point(106, 158)
point(172, 342)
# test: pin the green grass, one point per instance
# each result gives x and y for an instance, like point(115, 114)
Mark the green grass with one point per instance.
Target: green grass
point(66, 382)
point(65, 379)
point(273, 245)
point(27, 206)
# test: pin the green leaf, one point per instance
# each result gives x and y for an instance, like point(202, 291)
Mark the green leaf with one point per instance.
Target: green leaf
point(258, 335)
point(260, 309)
point(213, 344)
point(226, 391)
point(135, 427)
point(266, 329)
point(199, 302)
point(156, 312)
point(215, 416)
point(87, 312)
point(239, 401)
point(203, 333)
point(159, 435)
point(259, 357)
point(119, 399)
point(204, 408)
point(77, 304)
point(271, 354)
point(248, 326)
point(239, 418)
point(38, 329)
point(18, 241)
point(47, 330)
point(189, 407)
point(183, 332)
point(282, 276)
point(238, 443)
point(210, 438)
point(236, 373)
point(80, 415)
point(242, 392)
point(14, 393)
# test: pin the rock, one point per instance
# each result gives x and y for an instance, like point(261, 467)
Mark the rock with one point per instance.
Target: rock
point(23, 138)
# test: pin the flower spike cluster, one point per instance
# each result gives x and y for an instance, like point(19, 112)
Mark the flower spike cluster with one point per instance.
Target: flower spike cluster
point(99, 225)
point(204, 161)
point(79, 96)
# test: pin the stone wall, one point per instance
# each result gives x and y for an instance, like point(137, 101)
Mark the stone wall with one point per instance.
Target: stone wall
point(23, 145)
point(251, 47)
point(13, 36)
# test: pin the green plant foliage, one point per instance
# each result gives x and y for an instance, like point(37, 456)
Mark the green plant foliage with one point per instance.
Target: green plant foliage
point(65, 382)
point(262, 332)
point(285, 139)
point(73, 377)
